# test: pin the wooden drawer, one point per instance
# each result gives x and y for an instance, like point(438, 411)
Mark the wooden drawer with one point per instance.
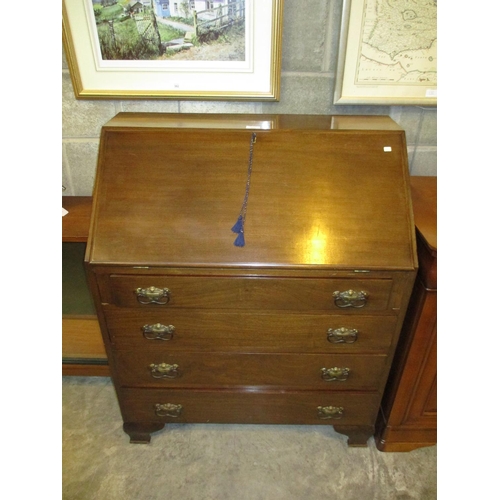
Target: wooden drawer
point(250, 332)
point(229, 370)
point(270, 407)
point(247, 293)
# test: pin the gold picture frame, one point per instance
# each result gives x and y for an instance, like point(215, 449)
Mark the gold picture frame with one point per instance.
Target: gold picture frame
point(387, 53)
point(254, 77)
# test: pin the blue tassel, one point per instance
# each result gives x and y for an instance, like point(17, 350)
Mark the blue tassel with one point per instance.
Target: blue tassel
point(240, 223)
point(238, 226)
point(239, 241)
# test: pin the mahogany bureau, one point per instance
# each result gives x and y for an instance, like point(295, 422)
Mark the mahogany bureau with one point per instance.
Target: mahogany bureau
point(251, 268)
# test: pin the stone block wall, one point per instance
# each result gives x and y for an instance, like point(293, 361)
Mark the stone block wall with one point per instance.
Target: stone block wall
point(309, 60)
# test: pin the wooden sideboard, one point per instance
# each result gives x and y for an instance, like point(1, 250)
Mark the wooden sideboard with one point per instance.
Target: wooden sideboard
point(83, 350)
point(408, 416)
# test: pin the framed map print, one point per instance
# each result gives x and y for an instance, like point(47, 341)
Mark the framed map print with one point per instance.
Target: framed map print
point(186, 49)
point(388, 53)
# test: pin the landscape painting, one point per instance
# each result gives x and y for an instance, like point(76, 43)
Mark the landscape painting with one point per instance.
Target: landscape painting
point(184, 49)
point(212, 30)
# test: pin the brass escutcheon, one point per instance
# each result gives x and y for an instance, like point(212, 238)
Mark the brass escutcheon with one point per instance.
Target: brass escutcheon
point(153, 295)
point(335, 374)
point(164, 370)
point(326, 412)
point(342, 335)
point(168, 410)
point(350, 298)
point(158, 332)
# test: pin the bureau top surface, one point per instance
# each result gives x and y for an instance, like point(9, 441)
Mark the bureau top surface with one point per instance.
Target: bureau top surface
point(324, 192)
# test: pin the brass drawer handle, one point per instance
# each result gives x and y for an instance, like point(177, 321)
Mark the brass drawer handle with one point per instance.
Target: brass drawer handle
point(158, 332)
point(153, 295)
point(326, 412)
point(342, 335)
point(168, 410)
point(350, 298)
point(164, 370)
point(335, 374)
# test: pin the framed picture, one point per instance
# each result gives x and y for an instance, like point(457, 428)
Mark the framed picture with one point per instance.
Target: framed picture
point(388, 53)
point(187, 49)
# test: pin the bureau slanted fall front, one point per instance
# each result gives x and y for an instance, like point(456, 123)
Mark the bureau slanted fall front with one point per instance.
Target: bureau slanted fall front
point(299, 325)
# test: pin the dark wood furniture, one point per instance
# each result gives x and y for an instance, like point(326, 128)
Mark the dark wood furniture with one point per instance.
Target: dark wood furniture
point(299, 326)
point(83, 350)
point(408, 415)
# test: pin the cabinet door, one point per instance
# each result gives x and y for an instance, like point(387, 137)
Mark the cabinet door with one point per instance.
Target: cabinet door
point(83, 351)
point(422, 366)
point(408, 419)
